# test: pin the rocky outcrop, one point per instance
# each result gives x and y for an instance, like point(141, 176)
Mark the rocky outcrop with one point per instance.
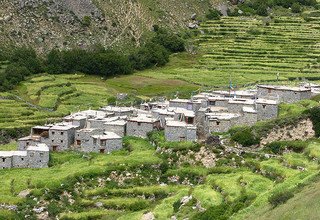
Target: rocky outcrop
point(302, 130)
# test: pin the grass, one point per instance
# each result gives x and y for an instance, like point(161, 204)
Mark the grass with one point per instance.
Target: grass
point(7, 147)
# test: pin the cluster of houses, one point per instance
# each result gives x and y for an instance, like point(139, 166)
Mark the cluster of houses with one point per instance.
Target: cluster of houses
point(181, 119)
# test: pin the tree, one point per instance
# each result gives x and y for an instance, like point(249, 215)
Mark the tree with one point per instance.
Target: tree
point(26, 56)
point(213, 14)
point(170, 41)
point(54, 62)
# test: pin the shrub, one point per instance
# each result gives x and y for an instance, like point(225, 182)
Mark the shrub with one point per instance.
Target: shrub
point(86, 21)
point(213, 14)
point(281, 197)
point(168, 40)
point(315, 118)
point(262, 10)
point(245, 137)
point(296, 8)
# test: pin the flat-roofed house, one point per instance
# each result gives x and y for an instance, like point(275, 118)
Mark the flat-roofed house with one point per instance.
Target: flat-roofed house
point(141, 125)
point(236, 105)
point(62, 136)
point(118, 127)
point(106, 143)
point(83, 137)
point(267, 109)
point(180, 131)
point(220, 122)
point(284, 93)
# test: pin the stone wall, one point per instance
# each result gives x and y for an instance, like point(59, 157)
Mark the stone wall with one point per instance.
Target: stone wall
point(286, 96)
point(140, 129)
point(180, 133)
point(61, 139)
point(266, 111)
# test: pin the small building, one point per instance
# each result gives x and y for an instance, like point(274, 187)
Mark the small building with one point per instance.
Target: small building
point(118, 127)
point(267, 109)
point(118, 111)
point(284, 93)
point(83, 136)
point(38, 134)
point(61, 136)
point(36, 156)
point(185, 115)
point(180, 131)
point(163, 115)
point(106, 143)
point(249, 117)
point(78, 119)
point(220, 122)
point(218, 101)
point(236, 105)
point(141, 125)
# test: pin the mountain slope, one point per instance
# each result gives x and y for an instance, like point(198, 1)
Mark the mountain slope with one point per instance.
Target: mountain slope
point(67, 23)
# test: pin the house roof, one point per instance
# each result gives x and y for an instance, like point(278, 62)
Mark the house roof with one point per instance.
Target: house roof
point(249, 109)
point(286, 88)
point(116, 109)
point(143, 118)
point(107, 136)
point(118, 122)
point(179, 124)
point(63, 127)
point(222, 116)
point(38, 147)
point(13, 153)
point(267, 101)
point(41, 127)
point(241, 101)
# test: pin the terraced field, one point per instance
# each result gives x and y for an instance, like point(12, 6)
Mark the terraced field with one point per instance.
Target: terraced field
point(249, 49)
point(130, 183)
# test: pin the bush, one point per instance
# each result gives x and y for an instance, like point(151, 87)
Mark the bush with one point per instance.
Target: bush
point(296, 8)
point(86, 21)
point(213, 14)
point(244, 136)
point(315, 118)
point(262, 10)
point(281, 197)
point(168, 40)
point(27, 57)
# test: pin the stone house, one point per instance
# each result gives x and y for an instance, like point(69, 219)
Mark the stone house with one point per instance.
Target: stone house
point(141, 125)
point(78, 120)
point(218, 101)
point(61, 136)
point(162, 115)
point(180, 131)
point(236, 105)
point(118, 127)
point(249, 116)
point(185, 115)
point(118, 111)
point(284, 93)
point(38, 134)
point(33, 157)
point(105, 143)
point(220, 122)
point(267, 109)
point(83, 137)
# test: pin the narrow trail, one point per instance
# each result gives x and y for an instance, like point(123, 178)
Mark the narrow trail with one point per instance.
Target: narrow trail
point(16, 97)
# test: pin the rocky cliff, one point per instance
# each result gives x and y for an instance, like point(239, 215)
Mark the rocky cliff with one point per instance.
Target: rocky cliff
point(46, 24)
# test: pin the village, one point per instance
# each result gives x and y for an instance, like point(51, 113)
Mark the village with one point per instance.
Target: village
point(192, 120)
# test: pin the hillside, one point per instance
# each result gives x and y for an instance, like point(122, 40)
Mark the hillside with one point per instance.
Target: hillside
point(66, 24)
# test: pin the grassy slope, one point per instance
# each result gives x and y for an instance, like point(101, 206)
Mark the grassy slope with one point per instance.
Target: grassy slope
point(304, 205)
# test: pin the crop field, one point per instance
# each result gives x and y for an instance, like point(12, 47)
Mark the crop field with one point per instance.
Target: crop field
point(249, 50)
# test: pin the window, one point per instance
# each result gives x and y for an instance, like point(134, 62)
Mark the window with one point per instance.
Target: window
point(139, 123)
point(54, 148)
point(61, 133)
point(52, 132)
point(61, 141)
point(3, 159)
point(102, 151)
point(218, 122)
point(78, 142)
point(22, 159)
point(52, 140)
point(189, 120)
point(264, 106)
point(28, 144)
point(212, 102)
point(41, 154)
